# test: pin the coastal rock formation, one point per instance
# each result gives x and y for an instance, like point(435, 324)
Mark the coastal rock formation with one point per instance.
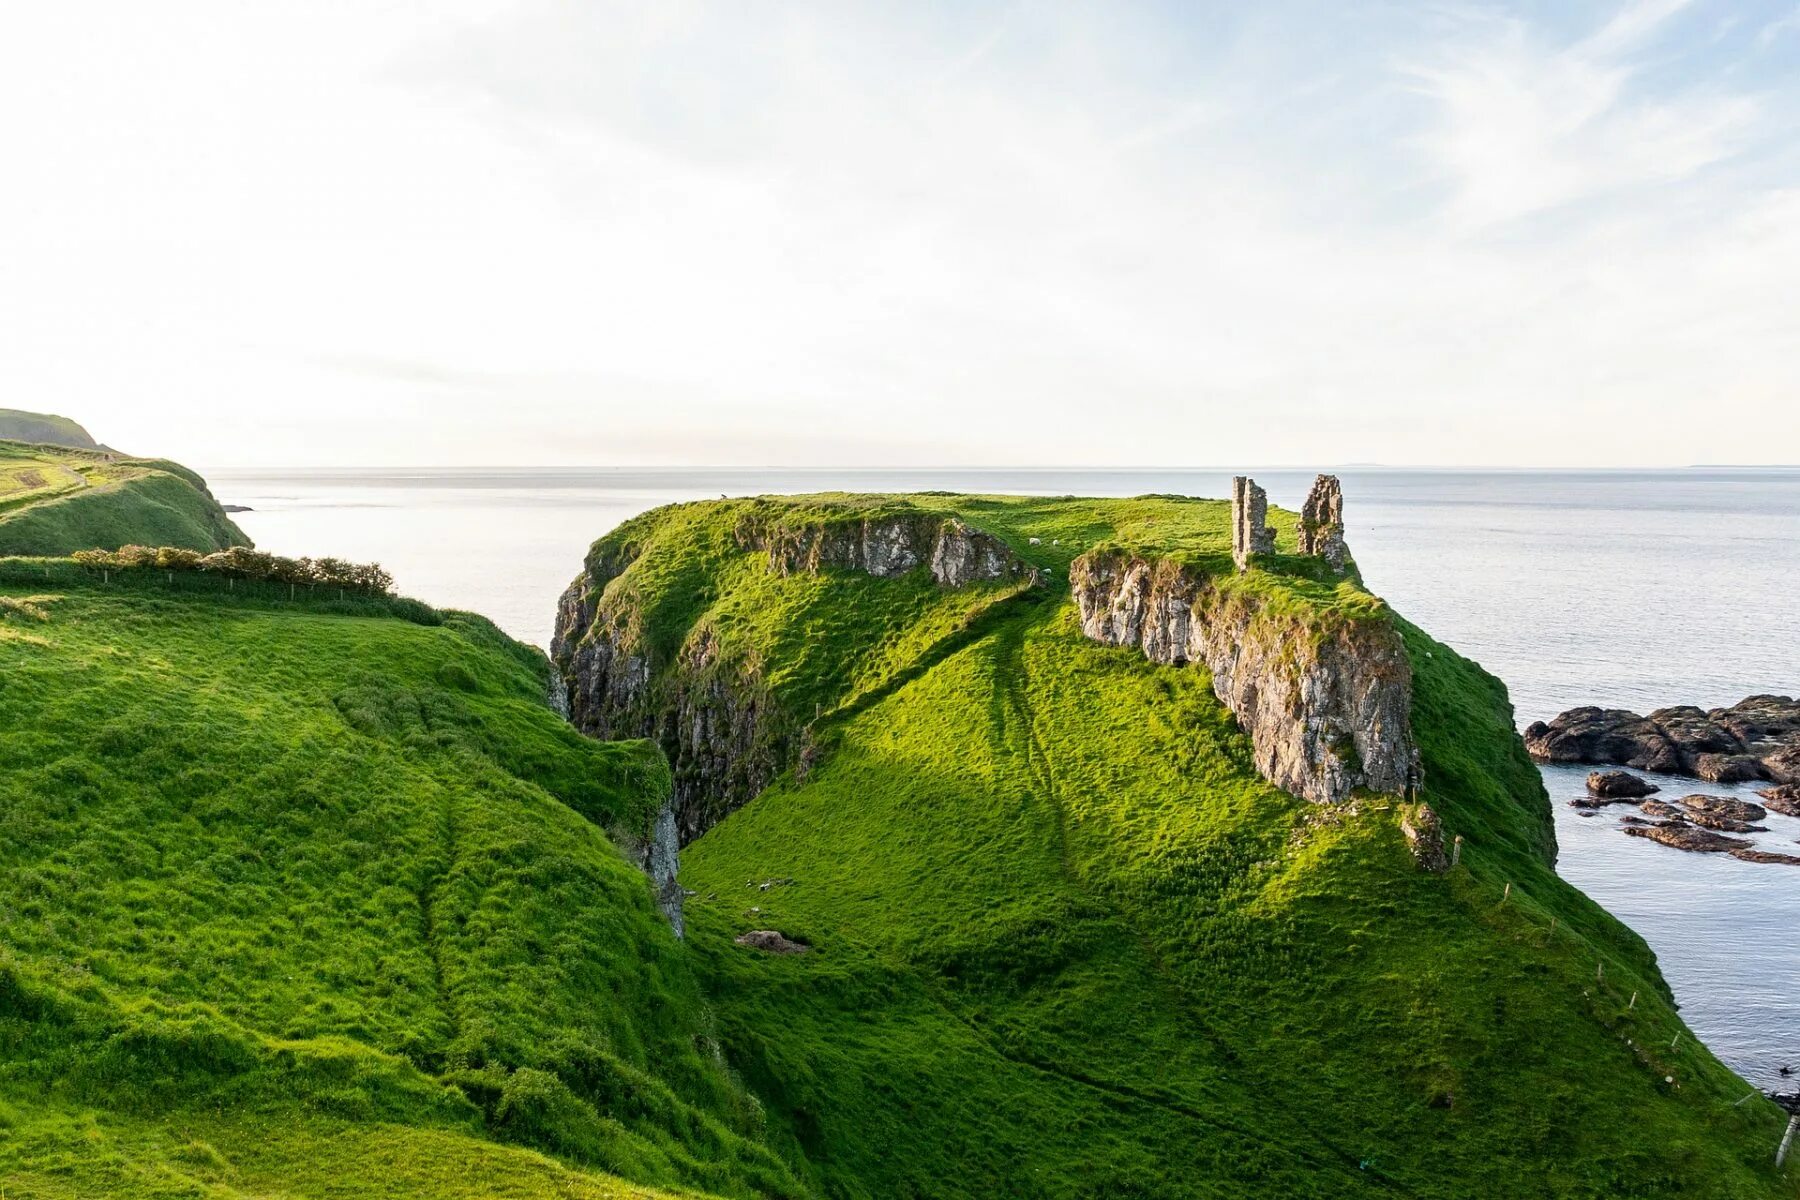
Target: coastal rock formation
point(1250, 532)
point(1619, 785)
point(1683, 836)
point(1322, 523)
point(1328, 710)
point(1715, 812)
point(1767, 856)
point(1784, 799)
point(1757, 738)
point(886, 546)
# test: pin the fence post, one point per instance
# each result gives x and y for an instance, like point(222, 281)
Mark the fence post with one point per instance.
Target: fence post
point(1787, 1141)
point(1456, 851)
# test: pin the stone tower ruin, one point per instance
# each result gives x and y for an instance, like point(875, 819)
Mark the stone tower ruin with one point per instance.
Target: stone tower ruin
point(1250, 532)
point(1322, 523)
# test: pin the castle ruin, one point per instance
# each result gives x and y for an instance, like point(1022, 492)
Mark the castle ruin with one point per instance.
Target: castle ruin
point(1321, 522)
point(1250, 532)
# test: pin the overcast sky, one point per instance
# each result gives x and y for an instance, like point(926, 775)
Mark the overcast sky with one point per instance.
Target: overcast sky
point(476, 232)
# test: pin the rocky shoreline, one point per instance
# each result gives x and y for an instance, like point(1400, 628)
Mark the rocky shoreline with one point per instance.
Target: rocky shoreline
point(1698, 822)
point(1757, 738)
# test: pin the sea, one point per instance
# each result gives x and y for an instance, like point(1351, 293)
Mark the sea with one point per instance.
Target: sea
point(1625, 588)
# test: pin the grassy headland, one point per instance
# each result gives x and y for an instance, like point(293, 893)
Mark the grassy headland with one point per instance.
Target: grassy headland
point(1066, 942)
point(55, 501)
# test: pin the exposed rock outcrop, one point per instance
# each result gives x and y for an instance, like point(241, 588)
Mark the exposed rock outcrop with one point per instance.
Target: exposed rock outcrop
point(1425, 836)
point(1757, 738)
point(1250, 532)
point(1322, 523)
point(770, 942)
point(1328, 709)
point(886, 546)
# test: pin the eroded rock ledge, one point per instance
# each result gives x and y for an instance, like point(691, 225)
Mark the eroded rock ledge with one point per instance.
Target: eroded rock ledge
point(1327, 706)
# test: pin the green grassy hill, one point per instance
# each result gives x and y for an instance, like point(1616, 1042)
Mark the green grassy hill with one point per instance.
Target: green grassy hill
point(55, 501)
point(1066, 942)
point(319, 898)
point(309, 900)
point(45, 428)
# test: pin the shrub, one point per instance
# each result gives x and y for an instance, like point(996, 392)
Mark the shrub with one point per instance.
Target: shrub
point(240, 562)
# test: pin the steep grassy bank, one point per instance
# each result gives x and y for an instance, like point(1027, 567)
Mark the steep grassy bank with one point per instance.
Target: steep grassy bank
point(1067, 942)
point(55, 501)
point(307, 899)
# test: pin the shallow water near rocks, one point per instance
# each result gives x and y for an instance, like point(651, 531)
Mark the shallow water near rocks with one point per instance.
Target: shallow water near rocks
point(1632, 589)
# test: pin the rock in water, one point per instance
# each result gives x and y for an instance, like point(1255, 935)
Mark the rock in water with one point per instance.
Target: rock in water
point(1727, 768)
point(771, 942)
point(1722, 812)
point(1604, 735)
point(1322, 523)
point(1765, 856)
point(1783, 798)
point(1757, 738)
point(1619, 785)
point(1683, 836)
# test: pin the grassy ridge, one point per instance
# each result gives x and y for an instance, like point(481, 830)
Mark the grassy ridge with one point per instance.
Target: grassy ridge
point(337, 877)
point(1068, 943)
point(55, 501)
point(44, 428)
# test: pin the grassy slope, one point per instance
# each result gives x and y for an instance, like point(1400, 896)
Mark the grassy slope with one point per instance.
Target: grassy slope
point(56, 501)
point(322, 905)
point(1069, 944)
point(19, 426)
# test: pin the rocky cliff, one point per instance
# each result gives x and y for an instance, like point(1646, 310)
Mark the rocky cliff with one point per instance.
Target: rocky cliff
point(713, 712)
point(1327, 704)
point(885, 546)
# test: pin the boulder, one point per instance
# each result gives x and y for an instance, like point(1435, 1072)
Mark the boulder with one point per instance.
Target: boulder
point(1425, 836)
point(1619, 785)
point(771, 942)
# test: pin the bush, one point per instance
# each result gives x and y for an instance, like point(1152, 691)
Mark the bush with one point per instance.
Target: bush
point(240, 562)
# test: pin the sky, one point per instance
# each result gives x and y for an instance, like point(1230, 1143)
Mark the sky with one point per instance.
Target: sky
point(459, 232)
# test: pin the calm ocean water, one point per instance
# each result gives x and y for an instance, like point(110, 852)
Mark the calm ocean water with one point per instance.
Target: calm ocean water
point(1630, 589)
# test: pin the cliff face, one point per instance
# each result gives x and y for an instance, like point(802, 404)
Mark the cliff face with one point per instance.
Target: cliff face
point(1328, 709)
point(886, 547)
point(726, 736)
